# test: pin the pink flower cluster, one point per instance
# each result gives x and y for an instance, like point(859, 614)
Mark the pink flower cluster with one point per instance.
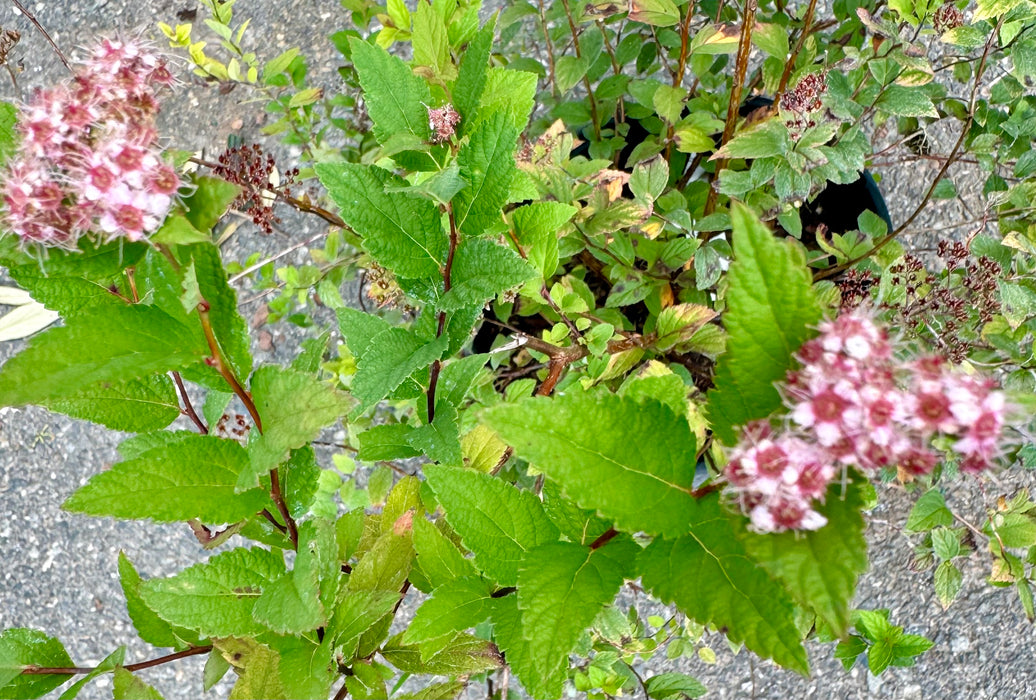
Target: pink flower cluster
point(852, 404)
point(89, 158)
point(443, 122)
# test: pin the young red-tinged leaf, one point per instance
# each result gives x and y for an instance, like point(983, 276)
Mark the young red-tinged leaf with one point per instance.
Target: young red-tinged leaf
point(562, 586)
point(710, 577)
point(294, 408)
point(150, 627)
point(631, 461)
point(496, 521)
point(394, 96)
point(113, 344)
point(194, 477)
point(402, 232)
point(216, 598)
point(454, 607)
point(771, 308)
point(21, 647)
point(487, 164)
point(819, 568)
point(126, 686)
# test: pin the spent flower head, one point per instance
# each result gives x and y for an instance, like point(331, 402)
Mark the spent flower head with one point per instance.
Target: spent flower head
point(89, 160)
point(443, 122)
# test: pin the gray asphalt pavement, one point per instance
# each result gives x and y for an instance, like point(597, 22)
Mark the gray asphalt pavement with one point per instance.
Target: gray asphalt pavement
point(59, 570)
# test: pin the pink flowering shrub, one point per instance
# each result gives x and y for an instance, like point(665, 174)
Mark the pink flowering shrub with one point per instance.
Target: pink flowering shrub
point(853, 404)
point(89, 160)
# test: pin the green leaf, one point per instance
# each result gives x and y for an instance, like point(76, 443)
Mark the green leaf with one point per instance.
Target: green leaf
point(987, 9)
point(431, 43)
point(906, 102)
point(471, 80)
point(229, 327)
point(8, 120)
point(495, 520)
point(126, 686)
point(292, 604)
point(133, 405)
point(820, 567)
point(929, 512)
point(118, 343)
point(768, 138)
point(300, 481)
point(513, 92)
point(294, 408)
point(536, 227)
point(394, 96)
point(355, 613)
point(193, 478)
point(562, 586)
point(216, 598)
point(673, 686)
point(386, 442)
point(178, 230)
point(660, 13)
point(464, 655)
point(948, 582)
point(771, 307)
point(481, 270)
point(109, 663)
point(568, 71)
point(487, 164)
point(509, 634)
point(711, 578)
point(66, 294)
point(440, 439)
point(150, 627)
point(1016, 530)
point(306, 669)
point(437, 691)
point(402, 232)
point(21, 647)
point(631, 461)
point(257, 668)
point(208, 202)
point(454, 606)
point(438, 559)
point(692, 140)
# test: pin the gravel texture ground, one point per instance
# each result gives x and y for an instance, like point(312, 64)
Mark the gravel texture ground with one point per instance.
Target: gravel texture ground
point(59, 570)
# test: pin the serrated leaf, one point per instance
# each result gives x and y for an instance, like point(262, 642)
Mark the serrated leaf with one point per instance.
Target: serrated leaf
point(509, 634)
point(471, 80)
point(8, 121)
point(306, 669)
point(431, 43)
point(150, 627)
point(948, 582)
point(487, 164)
point(454, 606)
point(512, 91)
point(906, 102)
point(216, 598)
point(208, 202)
point(402, 232)
point(631, 461)
point(496, 521)
point(292, 604)
point(398, 354)
point(709, 576)
point(464, 655)
point(192, 478)
point(229, 327)
point(126, 686)
point(437, 557)
point(440, 439)
point(820, 567)
point(21, 647)
point(355, 613)
point(562, 586)
point(133, 405)
point(481, 270)
point(294, 407)
point(115, 344)
point(768, 138)
point(673, 686)
point(929, 512)
point(394, 96)
point(257, 668)
point(771, 307)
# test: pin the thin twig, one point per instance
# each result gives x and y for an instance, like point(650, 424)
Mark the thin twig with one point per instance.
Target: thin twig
point(789, 65)
point(433, 374)
point(46, 35)
point(188, 408)
point(33, 670)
